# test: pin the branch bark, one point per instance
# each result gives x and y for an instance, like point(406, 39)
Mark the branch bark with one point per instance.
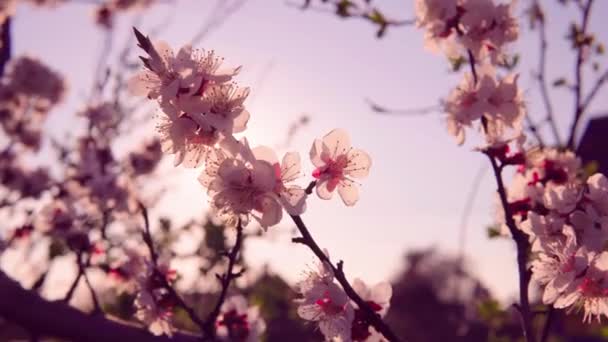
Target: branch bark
point(225, 280)
point(522, 244)
point(338, 271)
point(58, 319)
point(578, 75)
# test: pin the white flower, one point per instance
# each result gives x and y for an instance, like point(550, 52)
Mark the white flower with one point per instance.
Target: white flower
point(563, 198)
point(225, 109)
point(589, 291)
point(153, 312)
point(597, 186)
point(545, 230)
point(188, 136)
point(591, 227)
point(326, 303)
point(336, 164)
point(190, 72)
point(557, 267)
point(439, 19)
point(241, 185)
point(487, 27)
point(154, 303)
point(292, 197)
point(466, 104)
point(499, 102)
point(238, 322)
point(378, 299)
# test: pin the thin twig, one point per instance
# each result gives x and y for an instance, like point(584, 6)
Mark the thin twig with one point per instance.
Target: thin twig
point(225, 281)
point(547, 326)
point(161, 277)
point(5, 48)
point(68, 296)
point(405, 112)
point(522, 244)
point(83, 271)
point(468, 208)
point(542, 81)
point(472, 64)
point(368, 13)
point(578, 74)
point(375, 319)
point(596, 88)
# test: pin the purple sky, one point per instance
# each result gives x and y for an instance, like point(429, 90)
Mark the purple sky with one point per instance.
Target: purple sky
point(326, 67)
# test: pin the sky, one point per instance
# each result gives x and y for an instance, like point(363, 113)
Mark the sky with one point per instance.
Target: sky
point(315, 63)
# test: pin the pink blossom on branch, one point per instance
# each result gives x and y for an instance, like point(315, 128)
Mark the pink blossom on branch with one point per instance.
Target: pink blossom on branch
point(239, 322)
point(337, 163)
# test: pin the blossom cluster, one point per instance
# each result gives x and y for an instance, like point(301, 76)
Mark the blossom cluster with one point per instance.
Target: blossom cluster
point(562, 212)
point(478, 30)
point(568, 229)
point(201, 112)
point(325, 302)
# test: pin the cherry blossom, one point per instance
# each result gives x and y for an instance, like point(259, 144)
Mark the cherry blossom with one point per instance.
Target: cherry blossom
point(241, 186)
point(557, 267)
point(238, 322)
point(188, 136)
point(153, 302)
point(378, 298)
point(589, 291)
point(498, 102)
point(487, 27)
point(168, 75)
point(324, 302)
point(292, 197)
point(336, 164)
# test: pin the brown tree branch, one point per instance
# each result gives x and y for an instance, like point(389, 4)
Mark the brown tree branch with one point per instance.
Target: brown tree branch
point(225, 281)
point(542, 80)
point(58, 319)
point(578, 76)
point(147, 236)
point(547, 327)
point(522, 244)
point(375, 319)
point(5, 47)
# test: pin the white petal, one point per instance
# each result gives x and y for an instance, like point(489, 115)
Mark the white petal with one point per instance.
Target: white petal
point(348, 192)
point(315, 153)
point(293, 200)
point(336, 142)
point(382, 293)
point(359, 163)
point(271, 211)
point(322, 190)
point(290, 167)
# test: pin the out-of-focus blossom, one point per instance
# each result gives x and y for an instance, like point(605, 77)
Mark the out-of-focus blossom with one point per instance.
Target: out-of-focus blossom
point(323, 301)
point(238, 322)
point(337, 163)
point(145, 160)
point(378, 298)
point(28, 76)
